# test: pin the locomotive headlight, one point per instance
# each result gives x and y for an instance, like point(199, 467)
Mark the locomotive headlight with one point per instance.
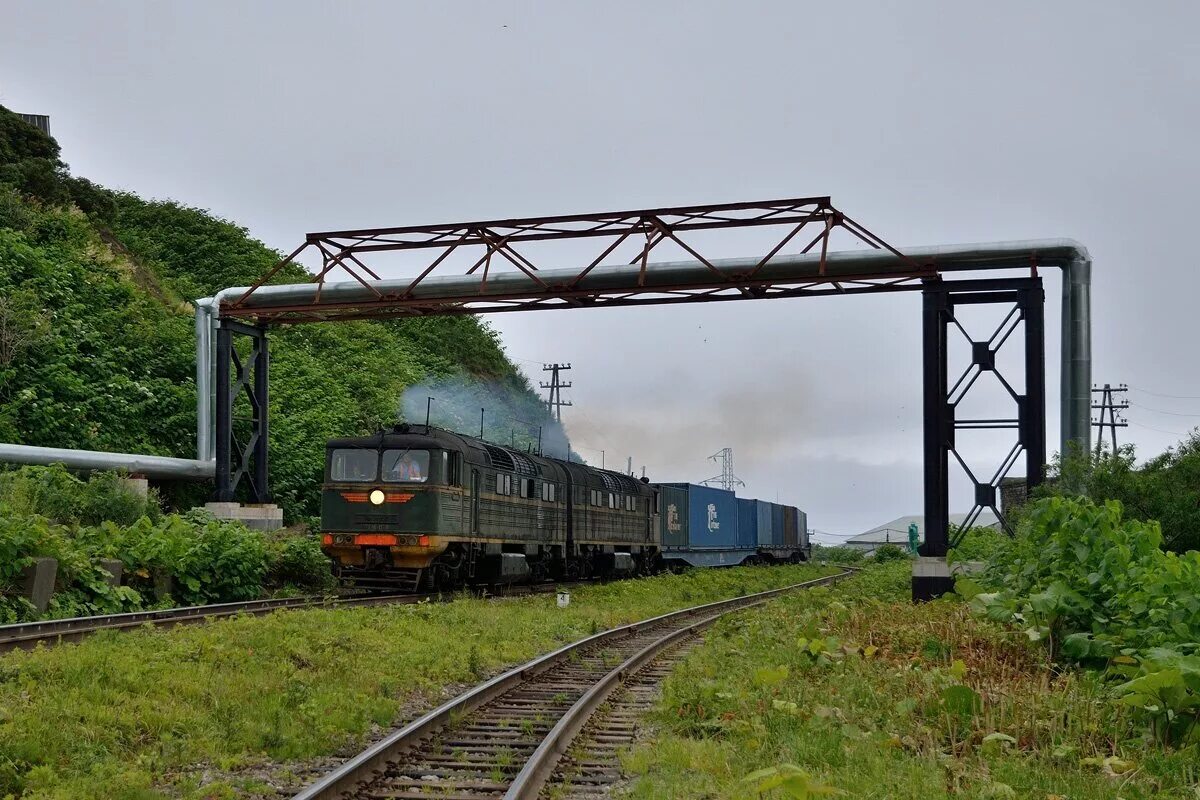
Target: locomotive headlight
point(377, 497)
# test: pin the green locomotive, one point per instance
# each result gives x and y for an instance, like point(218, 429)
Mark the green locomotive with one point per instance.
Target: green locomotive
point(421, 508)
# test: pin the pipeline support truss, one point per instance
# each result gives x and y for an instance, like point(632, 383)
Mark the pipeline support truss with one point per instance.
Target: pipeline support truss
point(242, 458)
point(945, 305)
point(489, 249)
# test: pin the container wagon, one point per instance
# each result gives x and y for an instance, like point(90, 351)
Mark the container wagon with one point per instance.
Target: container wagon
point(699, 526)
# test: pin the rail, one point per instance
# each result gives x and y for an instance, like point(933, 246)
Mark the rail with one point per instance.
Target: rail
point(521, 686)
point(27, 635)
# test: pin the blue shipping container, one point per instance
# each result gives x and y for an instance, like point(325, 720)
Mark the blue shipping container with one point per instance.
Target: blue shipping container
point(747, 535)
point(777, 526)
point(712, 517)
point(765, 523)
point(673, 516)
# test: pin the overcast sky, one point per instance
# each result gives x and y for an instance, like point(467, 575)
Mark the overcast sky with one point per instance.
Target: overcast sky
point(929, 122)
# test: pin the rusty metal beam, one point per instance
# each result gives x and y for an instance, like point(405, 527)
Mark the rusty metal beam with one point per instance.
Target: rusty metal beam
point(597, 283)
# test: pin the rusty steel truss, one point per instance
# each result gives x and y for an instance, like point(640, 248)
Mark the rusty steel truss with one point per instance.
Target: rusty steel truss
point(492, 253)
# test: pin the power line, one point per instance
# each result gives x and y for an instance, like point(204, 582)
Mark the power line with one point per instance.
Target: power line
point(1161, 411)
point(1170, 396)
point(1159, 430)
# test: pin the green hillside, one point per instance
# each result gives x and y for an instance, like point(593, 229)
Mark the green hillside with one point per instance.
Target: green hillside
point(97, 339)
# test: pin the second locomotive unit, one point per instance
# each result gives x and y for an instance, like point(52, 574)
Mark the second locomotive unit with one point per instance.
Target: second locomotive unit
point(422, 508)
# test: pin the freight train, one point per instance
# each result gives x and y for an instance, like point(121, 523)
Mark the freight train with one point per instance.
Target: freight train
point(421, 508)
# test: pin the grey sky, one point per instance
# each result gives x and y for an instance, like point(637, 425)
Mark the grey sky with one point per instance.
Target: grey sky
point(929, 122)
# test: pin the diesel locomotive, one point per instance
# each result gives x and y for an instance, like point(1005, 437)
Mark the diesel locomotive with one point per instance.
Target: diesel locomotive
point(419, 508)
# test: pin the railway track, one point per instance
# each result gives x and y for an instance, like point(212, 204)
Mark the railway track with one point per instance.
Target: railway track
point(27, 635)
point(506, 738)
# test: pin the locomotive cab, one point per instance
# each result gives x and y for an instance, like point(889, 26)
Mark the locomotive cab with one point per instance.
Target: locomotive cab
point(386, 502)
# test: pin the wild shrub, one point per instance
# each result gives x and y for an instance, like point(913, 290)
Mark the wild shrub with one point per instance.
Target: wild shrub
point(890, 552)
point(224, 561)
point(1165, 489)
point(56, 494)
point(837, 555)
point(1091, 584)
point(297, 560)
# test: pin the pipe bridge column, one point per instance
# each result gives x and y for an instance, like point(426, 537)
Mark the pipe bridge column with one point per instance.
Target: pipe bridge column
point(241, 451)
point(945, 303)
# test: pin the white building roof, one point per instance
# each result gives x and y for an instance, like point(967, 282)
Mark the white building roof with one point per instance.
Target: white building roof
point(896, 531)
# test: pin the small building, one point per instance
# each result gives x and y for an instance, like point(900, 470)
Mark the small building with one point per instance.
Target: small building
point(896, 531)
point(39, 121)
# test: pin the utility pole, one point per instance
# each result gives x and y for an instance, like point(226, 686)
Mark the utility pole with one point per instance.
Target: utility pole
point(554, 401)
point(726, 480)
point(1108, 406)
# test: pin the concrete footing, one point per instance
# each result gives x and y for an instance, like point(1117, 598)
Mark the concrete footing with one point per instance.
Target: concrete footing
point(164, 584)
point(139, 484)
point(38, 584)
point(115, 570)
point(263, 517)
point(932, 577)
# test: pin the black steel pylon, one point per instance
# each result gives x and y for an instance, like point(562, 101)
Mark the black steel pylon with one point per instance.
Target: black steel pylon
point(242, 448)
point(943, 303)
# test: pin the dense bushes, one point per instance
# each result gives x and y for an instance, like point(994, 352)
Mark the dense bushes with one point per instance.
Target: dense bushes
point(169, 559)
point(839, 554)
point(99, 284)
point(1092, 583)
point(1165, 489)
point(54, 493)
point(1099, 589)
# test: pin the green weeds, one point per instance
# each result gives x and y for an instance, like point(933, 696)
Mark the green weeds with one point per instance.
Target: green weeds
point(142, 709)
point(188, 559)
point(856, 690)
point(1097, 589)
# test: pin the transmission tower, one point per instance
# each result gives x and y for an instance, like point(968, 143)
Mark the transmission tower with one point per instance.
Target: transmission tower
point(726, 480)
point(554, 401)
point(1112, 409)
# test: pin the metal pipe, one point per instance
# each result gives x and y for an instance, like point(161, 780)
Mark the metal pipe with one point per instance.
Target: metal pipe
point(1065, 254)
point(203, 377)
point(1077, 353)
point(160, 467)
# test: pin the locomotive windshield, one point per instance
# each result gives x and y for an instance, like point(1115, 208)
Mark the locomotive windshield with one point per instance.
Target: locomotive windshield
point(406, 466)
point(359, 466)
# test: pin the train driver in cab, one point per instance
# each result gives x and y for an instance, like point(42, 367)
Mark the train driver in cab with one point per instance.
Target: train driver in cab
point(407, 468)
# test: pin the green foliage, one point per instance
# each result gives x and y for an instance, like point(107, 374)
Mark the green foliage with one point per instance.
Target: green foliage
point(1165, 489)
point(54, 493)
point(191, 558)
point(297, 560)
point(977, 544)
point(110, 361)
point(930, 702)
point(1092, 584)
point(890, 552)
point(836, 555)
point(791, 781)
point(151, 707)
point(1167, 691)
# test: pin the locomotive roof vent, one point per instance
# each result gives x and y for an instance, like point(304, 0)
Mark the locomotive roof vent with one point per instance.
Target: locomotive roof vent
point(616, 482)
point(523, 464)
point(509, 460)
